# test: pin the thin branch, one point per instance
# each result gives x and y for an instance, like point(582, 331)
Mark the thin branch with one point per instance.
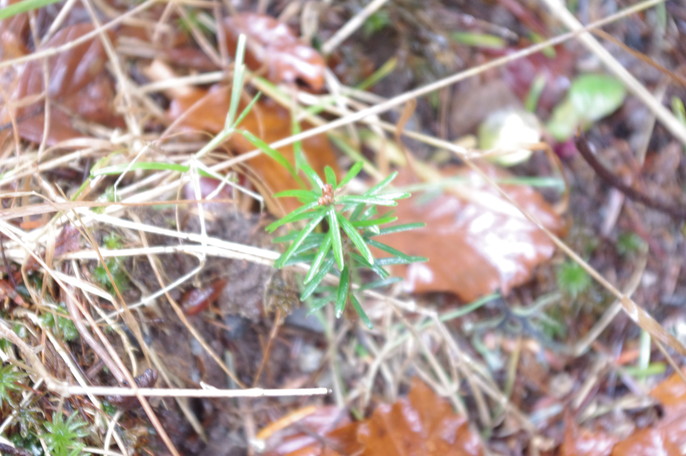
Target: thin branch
point(677, 212)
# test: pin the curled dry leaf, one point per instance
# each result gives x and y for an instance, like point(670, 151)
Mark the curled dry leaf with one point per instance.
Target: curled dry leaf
point(267, 120)
point(421, 424)
point(476, 242)
point(272, 46)
point(77, 84)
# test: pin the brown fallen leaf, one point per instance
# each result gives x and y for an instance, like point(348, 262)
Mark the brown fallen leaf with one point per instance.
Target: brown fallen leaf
point(475, 245)
point(272, 46)
point(77, 84)
point(580, 441)
point(267, 120)
point(667, 436)
point(421, 424)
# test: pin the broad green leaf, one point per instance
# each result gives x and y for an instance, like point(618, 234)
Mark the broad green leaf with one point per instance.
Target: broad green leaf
point(313, 285)
point(335, 236)
point(360, 311)
point(343, 292)
point(355, 238)
point(303, 234)
point(595, 96)
point(350, 175)
point(318, 260)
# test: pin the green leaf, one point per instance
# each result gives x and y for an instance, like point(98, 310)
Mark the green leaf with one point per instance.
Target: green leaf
point(392, 251)
point(330, 175)
point(360, 311)
point(364, 199)
point(312, 176)
point(22, 7)
point(317, 279)
point(400, 228)
point(270, 152)
point(246, 110)
point(355, 238)
point(350, 175)
point(595, 96)
point(373, 222)
point(335, 236)
point(343, 292)
point(381, 185)
point(318, 260)
point(301, 238)
point(292, 216)
point(304, 196)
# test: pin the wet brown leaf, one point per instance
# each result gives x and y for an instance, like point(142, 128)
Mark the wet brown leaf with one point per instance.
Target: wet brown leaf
point(272, 46)
point(77, 84)
point(668, 436)
point(421, 424)
point(584, 442)
point(477, 245)
point(268, 121)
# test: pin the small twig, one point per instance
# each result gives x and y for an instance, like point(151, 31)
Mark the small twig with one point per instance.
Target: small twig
point(677, 212)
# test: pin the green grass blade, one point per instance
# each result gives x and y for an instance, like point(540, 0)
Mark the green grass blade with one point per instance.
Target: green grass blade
point(142, 166)
point(237, 85)
point(303, 234)
point(335, 236)
point(24, 6)
point(343, 292)
point(356, 239)
point(246, 111)
point(270, 152)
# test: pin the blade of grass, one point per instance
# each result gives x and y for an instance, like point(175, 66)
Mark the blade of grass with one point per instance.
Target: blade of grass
point(22, 7)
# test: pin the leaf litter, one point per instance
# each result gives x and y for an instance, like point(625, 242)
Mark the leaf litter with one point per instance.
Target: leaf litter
point(477, 243)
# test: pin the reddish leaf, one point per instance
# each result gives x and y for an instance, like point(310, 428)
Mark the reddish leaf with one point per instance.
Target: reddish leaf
point(422, 424)
point(584, 442)
point(272, 45)
point(474, 246)
point(76, 83)
point(268, 121)
point(196, 300)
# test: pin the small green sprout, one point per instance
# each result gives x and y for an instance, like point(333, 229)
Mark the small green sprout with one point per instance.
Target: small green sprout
point(572, 278)
point(63, 438)
point(10, 381)
point(63, 327)
point(338, 232)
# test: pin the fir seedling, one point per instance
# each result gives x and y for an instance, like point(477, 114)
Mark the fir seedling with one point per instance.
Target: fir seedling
point(63, 438)
point(337, 235)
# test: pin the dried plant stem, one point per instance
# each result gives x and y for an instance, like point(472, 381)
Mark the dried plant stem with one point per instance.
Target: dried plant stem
point(663, 114)
point(677, 212)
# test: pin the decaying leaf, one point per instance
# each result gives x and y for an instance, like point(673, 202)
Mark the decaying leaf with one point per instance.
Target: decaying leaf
point(476, 245)
point(267, 120)
point(77, 84)
point(667, 436)
point(422, 424)
point(580, 441)
point(273, 46)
